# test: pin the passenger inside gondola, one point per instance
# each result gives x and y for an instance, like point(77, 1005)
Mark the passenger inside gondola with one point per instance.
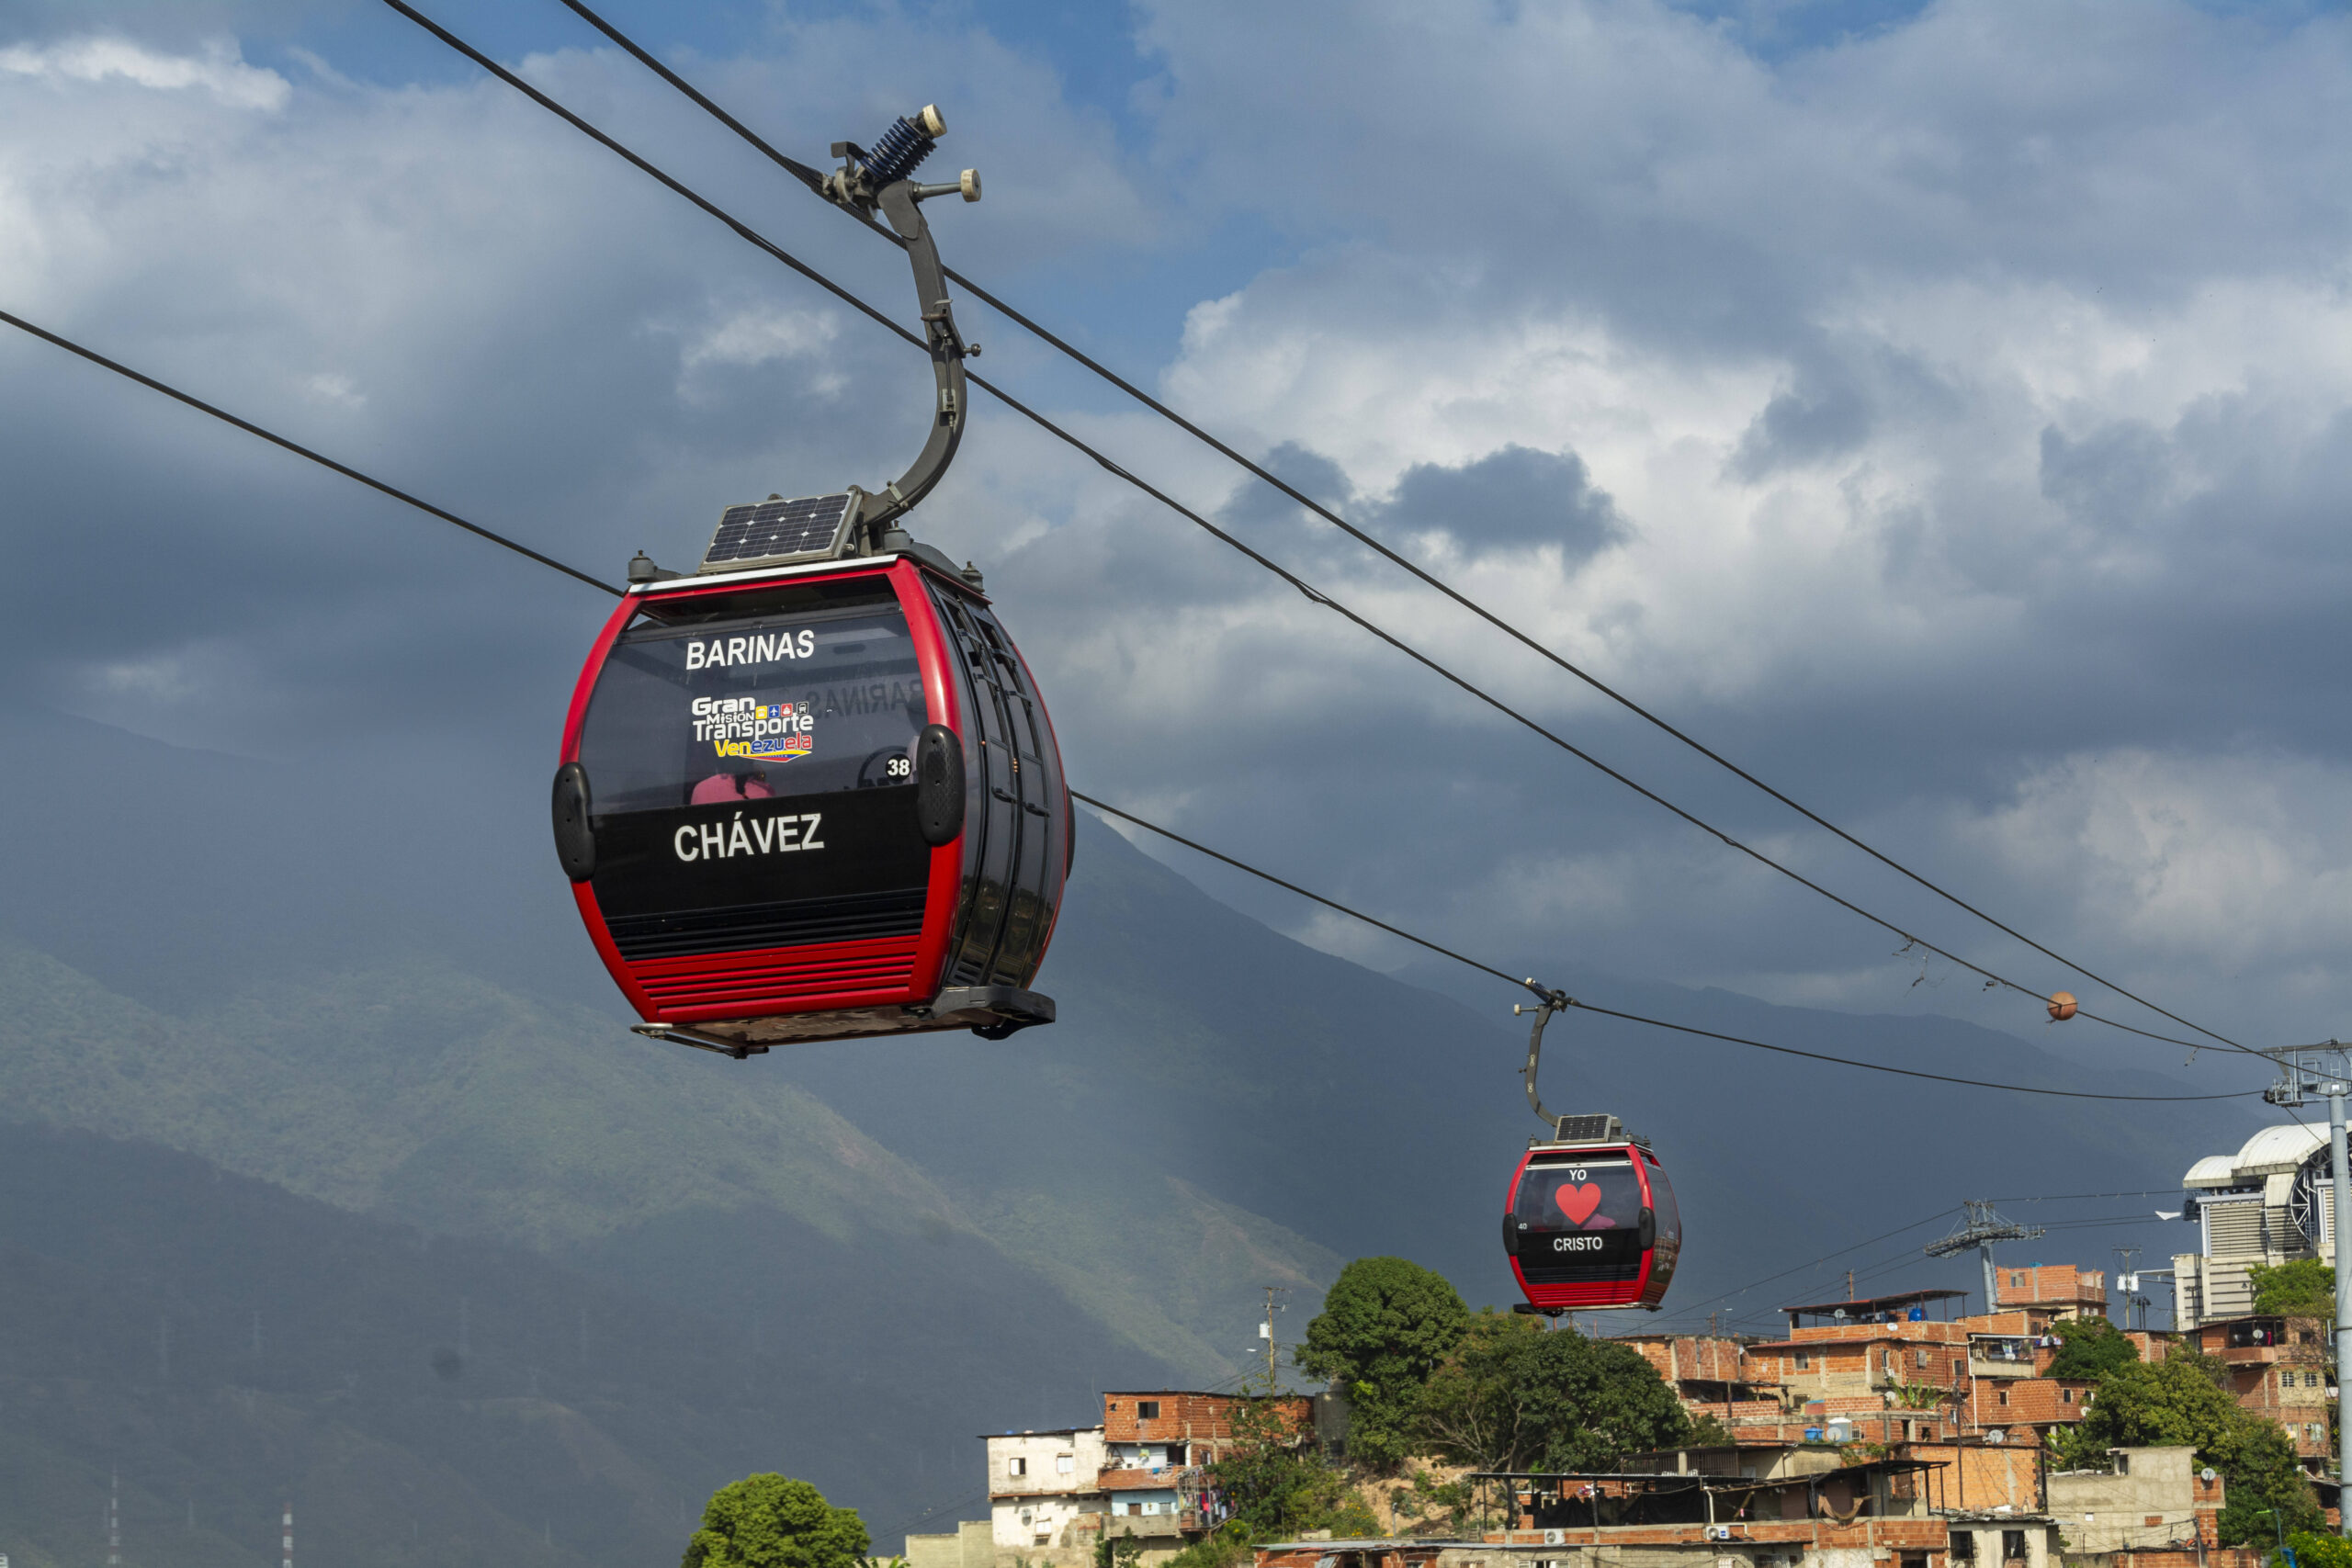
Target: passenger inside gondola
point(721, 788)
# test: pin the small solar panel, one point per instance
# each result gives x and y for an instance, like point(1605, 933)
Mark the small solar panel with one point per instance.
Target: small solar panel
point(1588, 1129)
point(809, 524)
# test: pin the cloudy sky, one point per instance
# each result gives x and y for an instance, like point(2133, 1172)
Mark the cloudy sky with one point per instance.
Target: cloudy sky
point(1944, 409)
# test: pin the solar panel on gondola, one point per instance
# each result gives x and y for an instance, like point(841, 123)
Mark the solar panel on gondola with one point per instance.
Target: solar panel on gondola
point(810, 791)
point(810, 524)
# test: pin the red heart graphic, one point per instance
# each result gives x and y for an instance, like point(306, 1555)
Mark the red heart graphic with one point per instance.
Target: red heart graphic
point(1578, 1203)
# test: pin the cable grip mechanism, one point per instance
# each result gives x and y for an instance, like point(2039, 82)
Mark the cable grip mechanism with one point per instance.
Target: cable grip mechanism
point(1568, 1127)
point(881, 182)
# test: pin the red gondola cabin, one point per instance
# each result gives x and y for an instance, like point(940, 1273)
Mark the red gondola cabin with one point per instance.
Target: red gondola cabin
point(810, 802)
point(1591, 1223)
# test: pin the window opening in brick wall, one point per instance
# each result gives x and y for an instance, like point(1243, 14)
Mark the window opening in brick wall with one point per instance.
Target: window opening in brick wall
point(1918, 1357)
point(1963, 1546)
point(1804, 1360)
point(2012, 1546)
point(1147, 1410)
point(1017, 1467)
point(1065, 1463)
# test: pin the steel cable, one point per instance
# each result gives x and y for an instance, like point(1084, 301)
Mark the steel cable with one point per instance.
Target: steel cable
point(1312, 594)
point(815, 181)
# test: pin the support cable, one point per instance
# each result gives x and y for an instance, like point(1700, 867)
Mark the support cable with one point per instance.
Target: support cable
point(1311, 593)
point(815, 180)
point(451, 517)
point(301, 451)
point(1632, 1016)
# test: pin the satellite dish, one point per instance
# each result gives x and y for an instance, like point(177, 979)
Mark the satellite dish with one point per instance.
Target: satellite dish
point(1997, 1436)
point(2207, 1475)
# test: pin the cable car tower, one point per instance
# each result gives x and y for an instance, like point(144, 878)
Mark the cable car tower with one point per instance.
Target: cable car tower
point(1981, 1227)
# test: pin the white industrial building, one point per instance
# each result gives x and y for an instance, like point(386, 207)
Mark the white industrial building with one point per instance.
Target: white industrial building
point(2270, 1203)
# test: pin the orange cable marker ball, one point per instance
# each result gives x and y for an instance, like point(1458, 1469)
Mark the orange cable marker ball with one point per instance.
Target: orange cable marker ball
point(2061, 1006)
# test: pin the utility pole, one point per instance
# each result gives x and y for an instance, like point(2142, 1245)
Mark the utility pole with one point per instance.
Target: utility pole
point(1266, 1332)
point(1980, 1228)
point(2324, 1070)
point(2127, 1280)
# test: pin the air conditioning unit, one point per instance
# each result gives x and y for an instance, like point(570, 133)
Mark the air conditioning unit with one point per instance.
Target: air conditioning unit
point(1552, 1538)
point(1718, 1532)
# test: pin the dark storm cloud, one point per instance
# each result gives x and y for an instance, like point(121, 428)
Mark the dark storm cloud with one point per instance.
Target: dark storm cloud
point(1913, 417)
point(1515, 496)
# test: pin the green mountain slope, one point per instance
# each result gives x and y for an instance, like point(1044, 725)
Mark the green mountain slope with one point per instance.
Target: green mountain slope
point(224, 1347)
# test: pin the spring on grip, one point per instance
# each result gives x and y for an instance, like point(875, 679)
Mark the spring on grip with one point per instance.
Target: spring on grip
point(896, 155)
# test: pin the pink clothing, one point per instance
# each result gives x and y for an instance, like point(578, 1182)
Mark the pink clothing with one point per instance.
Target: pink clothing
point(721, 788)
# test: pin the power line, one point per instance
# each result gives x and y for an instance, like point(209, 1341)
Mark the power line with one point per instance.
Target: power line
point(1307, 589)
point(354, 474)
point(815, 181)
point(1634, 1017)
point(300, 451)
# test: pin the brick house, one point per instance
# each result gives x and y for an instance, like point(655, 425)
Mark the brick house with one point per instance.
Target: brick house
point(2279, 1369)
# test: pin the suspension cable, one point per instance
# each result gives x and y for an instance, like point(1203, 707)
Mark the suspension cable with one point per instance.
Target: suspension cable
point(301, 451)
point(815, 181)
point(1314, 594)
point(1545, 992)
point(357, 476)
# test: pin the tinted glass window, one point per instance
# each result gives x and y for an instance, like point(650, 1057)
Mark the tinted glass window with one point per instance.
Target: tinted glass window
point(1594, 1195)
point(1579, 1219)
point(797, 691)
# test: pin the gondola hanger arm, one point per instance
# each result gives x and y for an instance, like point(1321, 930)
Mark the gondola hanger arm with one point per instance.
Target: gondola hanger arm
point(1548, 1002)
point(879, 181)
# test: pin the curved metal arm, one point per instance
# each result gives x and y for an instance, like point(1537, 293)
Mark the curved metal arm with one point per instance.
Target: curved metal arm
point(898, 204)
point(1554, 1001)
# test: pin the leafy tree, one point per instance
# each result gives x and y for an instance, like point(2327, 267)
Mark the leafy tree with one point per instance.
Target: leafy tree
point(1386, 1325)
point(2091, 1349)
point(2305, 1287)
point(2185, 1399)
point(2321, 1551)
point(1117, 1551)
point(1278, 1485)
point(768, 1521)
point(1706, 1432)
point(1514, 1396)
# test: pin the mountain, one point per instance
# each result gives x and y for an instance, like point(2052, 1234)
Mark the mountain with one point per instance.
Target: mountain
point(225, 1346)
point(373, 994)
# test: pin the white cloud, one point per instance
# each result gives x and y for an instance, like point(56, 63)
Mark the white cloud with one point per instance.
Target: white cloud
point(220, 71)
point(1976, 396)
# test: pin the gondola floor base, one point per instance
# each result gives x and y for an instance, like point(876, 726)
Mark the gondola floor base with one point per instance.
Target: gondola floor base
point(993, 1012)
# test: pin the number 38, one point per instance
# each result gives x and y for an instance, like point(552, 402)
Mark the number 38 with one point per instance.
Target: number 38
point(902, 767)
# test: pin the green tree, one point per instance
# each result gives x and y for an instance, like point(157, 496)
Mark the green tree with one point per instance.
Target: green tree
point(2185, 1399)
point(1386, 1325)
point(768, 1521)
point(2305, 1287)
point(2091, 1347)
point(1278, 1485)
point(2321, 1551)
point(1514, 1396)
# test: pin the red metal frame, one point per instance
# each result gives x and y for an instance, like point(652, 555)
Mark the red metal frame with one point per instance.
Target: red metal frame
point(766, 982)
point(1634, 1292)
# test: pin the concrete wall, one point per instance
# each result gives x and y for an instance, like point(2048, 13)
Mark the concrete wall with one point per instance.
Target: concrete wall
point(1040, 1482)
point(2153, 1499)
point(968, 1547)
